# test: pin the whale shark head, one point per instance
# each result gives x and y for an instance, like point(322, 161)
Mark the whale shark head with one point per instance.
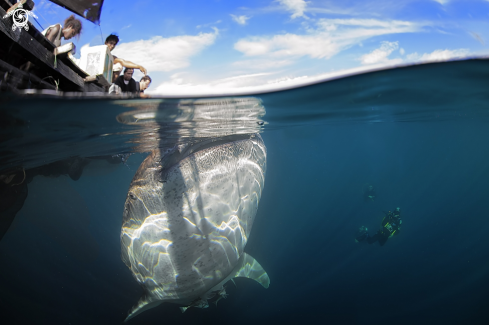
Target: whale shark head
point(188, 216)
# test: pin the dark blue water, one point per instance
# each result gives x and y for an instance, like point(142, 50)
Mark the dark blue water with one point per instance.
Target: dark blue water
point(419, 135)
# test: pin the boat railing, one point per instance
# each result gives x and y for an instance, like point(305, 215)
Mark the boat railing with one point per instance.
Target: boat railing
point(55, 71)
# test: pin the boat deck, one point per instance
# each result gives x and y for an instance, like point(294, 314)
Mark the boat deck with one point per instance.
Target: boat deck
point(20, 46)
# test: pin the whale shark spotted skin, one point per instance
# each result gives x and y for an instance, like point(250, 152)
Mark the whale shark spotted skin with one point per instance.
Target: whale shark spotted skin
point(187, 217)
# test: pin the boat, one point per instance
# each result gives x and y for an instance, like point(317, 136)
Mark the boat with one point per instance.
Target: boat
point(53, 73)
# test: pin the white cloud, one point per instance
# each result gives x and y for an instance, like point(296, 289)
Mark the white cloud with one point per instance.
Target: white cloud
point(442, 2)
point(401, 51)
point(240, 19)
point(329, 37)
point(165, 54)
point(381, 54)
point(438, 55)
point(250, 83)
point(288, 45)
point(297, 7)
point(178, 86)
point(181, 83)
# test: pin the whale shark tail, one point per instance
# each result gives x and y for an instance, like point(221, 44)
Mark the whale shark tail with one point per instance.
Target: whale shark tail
point(143, 304)
point(249, 268)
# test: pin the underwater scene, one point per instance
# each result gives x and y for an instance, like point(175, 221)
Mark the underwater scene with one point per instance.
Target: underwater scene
point(354, 200)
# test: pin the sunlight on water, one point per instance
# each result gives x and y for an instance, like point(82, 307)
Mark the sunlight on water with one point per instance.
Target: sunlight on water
point(166, 121)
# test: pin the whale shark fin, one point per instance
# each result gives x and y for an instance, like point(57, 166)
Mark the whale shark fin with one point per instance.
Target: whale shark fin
point(143, 304)
point(249, 268)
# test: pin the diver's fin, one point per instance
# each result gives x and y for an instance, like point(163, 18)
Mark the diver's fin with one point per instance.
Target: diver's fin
point(249, 268)
point(143, 304)
point(362, 234)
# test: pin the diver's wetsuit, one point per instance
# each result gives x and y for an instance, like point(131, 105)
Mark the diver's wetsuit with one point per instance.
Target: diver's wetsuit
point(391, 225)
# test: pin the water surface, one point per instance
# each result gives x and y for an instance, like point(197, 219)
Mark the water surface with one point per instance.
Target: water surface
point(417, 134)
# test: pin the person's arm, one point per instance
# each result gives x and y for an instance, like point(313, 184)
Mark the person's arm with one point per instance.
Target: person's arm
point(53, 32)
point(129, 64)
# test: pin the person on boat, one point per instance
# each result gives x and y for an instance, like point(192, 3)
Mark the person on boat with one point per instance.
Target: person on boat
point(390, 226)
point(72, 27)
point(125, 83)
point(111, 42)
point(143, 84)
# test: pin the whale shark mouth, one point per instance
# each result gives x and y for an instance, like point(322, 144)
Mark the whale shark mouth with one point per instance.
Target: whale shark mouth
point(179, 152)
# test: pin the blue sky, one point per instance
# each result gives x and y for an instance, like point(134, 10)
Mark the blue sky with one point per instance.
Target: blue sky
point(224, 46)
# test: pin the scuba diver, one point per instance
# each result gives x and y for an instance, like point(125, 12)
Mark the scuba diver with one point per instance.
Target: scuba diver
point(390, 226)
point(369, 193)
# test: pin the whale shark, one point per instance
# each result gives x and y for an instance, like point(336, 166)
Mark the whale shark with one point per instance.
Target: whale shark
point(187, 218)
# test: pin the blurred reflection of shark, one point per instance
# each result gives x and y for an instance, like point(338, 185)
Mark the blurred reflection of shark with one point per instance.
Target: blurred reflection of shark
point(187, 218)
point(13, 192)
point(14, 183)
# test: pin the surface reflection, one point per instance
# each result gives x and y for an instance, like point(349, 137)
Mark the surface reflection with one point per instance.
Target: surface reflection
point(166, 121)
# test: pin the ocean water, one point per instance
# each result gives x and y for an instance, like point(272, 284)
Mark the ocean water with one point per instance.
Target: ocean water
point(419, 135)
